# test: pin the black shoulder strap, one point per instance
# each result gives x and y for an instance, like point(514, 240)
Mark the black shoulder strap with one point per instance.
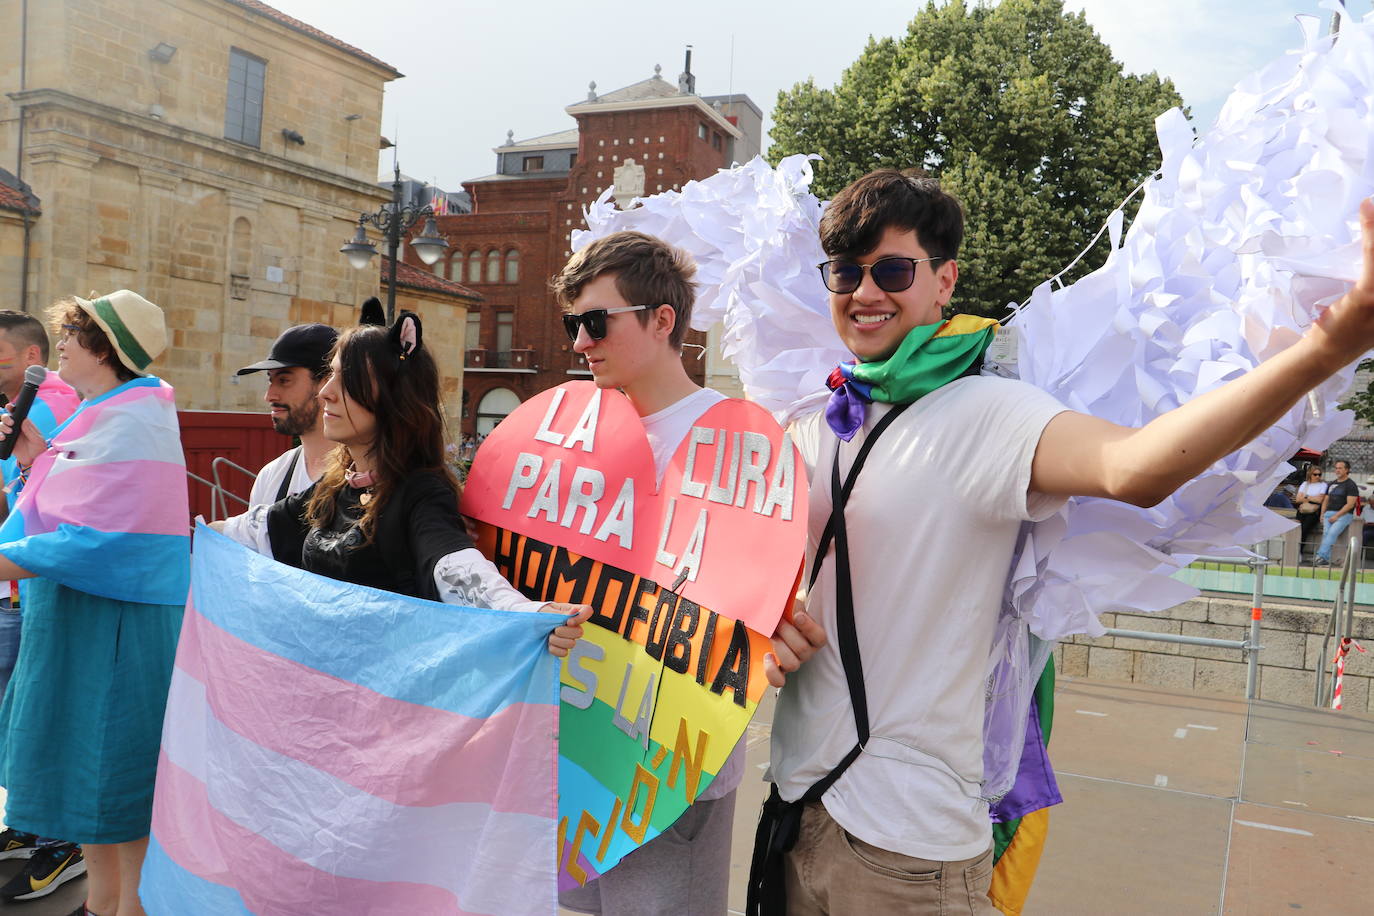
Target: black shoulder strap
point(284, 490)
point(846, 632)
point(780, 821)
point(838, 501)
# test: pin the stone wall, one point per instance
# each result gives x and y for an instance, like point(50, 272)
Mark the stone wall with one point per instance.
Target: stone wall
point(141, 189)
point(98, 50)
point(11, 256)
point(1291, 637)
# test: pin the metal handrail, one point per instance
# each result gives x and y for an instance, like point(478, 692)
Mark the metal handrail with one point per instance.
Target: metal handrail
point(219, 507)
point(1250, 648)
point(215, 493)
point(220, 491)
point(1345, 601)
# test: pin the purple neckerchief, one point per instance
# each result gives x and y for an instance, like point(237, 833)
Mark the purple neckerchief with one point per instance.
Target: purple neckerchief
point(849, 399)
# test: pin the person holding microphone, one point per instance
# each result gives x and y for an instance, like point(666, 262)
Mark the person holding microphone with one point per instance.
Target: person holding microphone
point(101, 531)
point(24, 343)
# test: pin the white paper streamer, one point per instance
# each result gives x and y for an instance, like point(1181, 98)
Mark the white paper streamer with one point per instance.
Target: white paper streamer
point(753, 231)
point(1240, 239)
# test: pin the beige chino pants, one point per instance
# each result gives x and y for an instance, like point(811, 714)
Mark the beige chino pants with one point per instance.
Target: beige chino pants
point(833, 873)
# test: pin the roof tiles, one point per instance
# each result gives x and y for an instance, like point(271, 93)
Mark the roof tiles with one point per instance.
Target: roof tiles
point(416, 278)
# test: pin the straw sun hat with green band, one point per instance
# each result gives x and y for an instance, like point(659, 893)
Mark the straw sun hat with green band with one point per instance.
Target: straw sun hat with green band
point(135, 327)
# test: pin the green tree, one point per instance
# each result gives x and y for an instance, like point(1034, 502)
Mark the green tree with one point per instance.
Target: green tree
point(1019, 109)
point(1361, 400)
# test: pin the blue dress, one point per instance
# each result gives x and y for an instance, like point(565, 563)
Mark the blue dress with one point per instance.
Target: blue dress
point(82, 719)
point(102, 526)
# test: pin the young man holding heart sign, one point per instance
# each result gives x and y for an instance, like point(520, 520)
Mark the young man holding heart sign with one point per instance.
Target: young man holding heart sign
point(628, 303)
point(877, 754)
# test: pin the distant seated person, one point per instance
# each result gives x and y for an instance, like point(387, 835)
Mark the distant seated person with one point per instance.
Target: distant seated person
point(1338, 510)
point(1310, 495)
point(1281, 498)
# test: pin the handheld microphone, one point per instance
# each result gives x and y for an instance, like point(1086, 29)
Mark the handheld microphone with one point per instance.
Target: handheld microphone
point(33, 377)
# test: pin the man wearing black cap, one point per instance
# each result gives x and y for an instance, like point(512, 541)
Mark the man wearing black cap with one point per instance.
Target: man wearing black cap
point(296, 368)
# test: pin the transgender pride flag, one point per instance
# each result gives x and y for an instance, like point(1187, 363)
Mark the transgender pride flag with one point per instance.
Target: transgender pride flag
point(92, 493)
point(335, 749)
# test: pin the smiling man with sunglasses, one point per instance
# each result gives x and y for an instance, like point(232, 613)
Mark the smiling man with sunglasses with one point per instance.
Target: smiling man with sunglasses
point(627, 301)
point(877, 753)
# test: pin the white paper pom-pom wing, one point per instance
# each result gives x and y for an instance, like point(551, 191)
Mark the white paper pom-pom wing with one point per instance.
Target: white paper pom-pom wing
point(1239, 240)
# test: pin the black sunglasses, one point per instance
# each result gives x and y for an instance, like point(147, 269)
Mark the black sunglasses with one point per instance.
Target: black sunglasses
point(892, 275)
point(594, 320)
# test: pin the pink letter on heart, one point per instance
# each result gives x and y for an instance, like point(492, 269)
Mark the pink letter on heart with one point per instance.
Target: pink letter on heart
point(572, 467)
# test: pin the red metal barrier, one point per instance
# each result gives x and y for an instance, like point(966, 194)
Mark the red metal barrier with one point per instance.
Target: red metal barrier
point(246, 439)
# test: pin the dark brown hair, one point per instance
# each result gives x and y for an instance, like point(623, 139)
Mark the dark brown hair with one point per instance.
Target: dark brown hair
point(910, 200)
point(403, 396)
point(90, 336)
point(25, 331)
point(648, 271)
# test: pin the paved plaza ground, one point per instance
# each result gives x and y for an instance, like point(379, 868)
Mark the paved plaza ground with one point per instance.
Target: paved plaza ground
point(1178, 803)
point(1174, 803)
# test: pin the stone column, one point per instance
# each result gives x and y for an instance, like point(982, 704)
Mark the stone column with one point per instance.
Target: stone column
point(61, 177)
point(158, 205)
point(235, 318)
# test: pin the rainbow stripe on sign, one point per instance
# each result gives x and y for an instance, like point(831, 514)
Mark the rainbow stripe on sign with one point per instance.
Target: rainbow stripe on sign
point(77, 502)
point(339, 749)
point(655, 696)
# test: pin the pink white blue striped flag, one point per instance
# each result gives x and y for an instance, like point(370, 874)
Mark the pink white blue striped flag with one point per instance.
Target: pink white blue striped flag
point(79, 502)
point(331, 748)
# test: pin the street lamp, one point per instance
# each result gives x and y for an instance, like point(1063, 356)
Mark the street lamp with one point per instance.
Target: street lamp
point(393, 221)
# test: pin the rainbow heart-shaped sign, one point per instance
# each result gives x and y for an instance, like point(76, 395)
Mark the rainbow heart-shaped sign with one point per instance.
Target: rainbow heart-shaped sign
point(688, 578)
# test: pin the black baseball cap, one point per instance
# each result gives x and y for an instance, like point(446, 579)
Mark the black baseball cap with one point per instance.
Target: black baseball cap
point(306, 345)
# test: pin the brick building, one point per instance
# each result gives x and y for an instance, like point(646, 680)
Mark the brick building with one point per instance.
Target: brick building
point(645, 138)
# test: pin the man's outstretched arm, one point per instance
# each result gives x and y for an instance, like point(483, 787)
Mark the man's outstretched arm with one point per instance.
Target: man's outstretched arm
point(1079, 455)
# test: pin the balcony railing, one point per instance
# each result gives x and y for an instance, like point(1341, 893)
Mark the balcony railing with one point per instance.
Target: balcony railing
point(494, 360)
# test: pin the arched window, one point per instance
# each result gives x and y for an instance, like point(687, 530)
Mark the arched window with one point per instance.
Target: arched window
point(475, 267)
point(512, 266)
point(495, 405)
point(493, 266)
point(441, 269)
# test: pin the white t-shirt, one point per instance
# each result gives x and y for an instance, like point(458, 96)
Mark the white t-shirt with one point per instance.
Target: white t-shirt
point(665, 431)
point(1315, 489)
point(932, 524)
point(266, 487)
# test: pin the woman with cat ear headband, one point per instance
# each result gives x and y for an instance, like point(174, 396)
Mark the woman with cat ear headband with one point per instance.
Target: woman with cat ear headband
point(385, 511)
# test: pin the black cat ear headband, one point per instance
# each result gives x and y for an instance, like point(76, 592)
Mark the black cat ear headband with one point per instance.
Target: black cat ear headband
point(372, 313)
point(406, 335)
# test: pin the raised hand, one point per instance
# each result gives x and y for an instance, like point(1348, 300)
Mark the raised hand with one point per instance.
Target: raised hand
point(1346, 329)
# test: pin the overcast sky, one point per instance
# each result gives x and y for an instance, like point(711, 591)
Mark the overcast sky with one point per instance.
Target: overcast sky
point(474, 70)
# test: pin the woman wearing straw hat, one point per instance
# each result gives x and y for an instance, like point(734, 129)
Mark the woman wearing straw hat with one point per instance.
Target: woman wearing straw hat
point(101, 533)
